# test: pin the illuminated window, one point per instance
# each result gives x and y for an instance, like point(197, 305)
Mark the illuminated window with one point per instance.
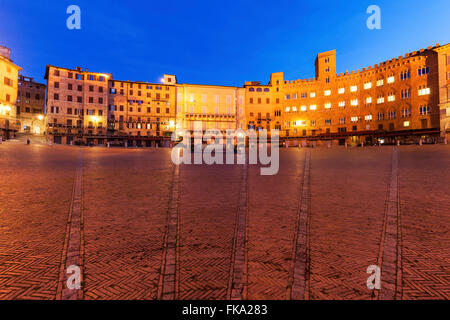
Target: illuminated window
point(424, 91)
point(368, 117)
point(354, 119)
point(391, 79)
point(353, 88)
point(327, 93)
point(380, 82)
point(312, 107)
point(341, 103)
point(341, 90)
point(327, 105)
point(294, 96)
point(380, 100)
point(406, 123)
point(368, 100)
point(303, 108)
point(354, 102)
point(391, 97)
point(287, 109)
point(294, 109)
point(312, 95)
point(367, 85)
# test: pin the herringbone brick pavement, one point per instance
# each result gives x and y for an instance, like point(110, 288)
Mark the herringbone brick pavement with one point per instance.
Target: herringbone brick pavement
point(125, 205)
point(425, 202)
point(208, 207)
point(348, 193)
point(35, 192)
point(126, 198)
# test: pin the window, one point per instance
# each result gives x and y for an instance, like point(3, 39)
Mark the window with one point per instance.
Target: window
point(294, 96)
point(251, 89)
point(391, 97)
point(354, 102)
point(287, 97)
point(424, 110)
point(327, 79)
point(287, 109)
point(312, 95)
point(406, 112)
point(423, 71)
point(327, 93)
point(312, 107)
point(341, 104)
point(368, 117)
point(391, 79)
point(341, 90)
point(304, 95)
point(341, 120)
point(404, 75)
point(328, 122)
point(313, 123)
point(380, 82)
point(56, 96)
point(368, 100)
point(406, 93)
point(406, 123)
point(391, 115)
point(381, 116)
point(354, 119)
point(294, 109)
point(380, 99)
point(328, 105)
point(367, 85)
point(353, 88)
point(424, 91)
point(303, 108)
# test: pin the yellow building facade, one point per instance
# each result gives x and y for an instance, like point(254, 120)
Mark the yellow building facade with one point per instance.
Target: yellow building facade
point(210, 107)
point(9, 74)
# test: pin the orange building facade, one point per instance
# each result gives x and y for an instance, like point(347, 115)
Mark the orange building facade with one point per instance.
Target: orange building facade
point(403, 99)
point(141, 113)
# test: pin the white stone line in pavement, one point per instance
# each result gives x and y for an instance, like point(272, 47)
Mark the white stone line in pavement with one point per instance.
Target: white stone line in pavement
point(298, 286)
point(390, 252)
point(168, 282)
point(237, 287)
point(71, 267)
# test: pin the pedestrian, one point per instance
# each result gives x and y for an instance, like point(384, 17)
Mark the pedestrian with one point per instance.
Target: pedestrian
point(28, 140)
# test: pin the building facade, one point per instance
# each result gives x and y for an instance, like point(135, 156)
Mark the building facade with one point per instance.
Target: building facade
point(401, 99)
point(404, 99)
point(141, 113)
point(31, 106)
point(210, 107)
point(9, 74)
point(77, 106)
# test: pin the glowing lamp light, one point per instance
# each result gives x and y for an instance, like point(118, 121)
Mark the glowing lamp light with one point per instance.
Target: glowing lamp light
point(94, 118)
point(40, 117)
point(162, 80)
point(172, 123)
point(8, 108)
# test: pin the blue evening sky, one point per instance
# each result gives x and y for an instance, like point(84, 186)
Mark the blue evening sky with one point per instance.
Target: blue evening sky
point(215, 42)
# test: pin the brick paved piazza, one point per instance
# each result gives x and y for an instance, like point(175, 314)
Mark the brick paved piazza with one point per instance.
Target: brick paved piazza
point(142, 229)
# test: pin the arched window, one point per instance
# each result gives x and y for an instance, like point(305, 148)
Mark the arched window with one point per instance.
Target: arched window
point(251, 89)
